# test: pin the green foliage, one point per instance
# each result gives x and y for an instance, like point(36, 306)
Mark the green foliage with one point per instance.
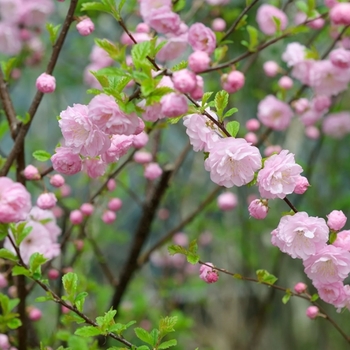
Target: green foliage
point(233, 128)
point(7, 255)
point(4, 128)
point(265, 277)
point(314, 297)
point(20, 232)
point(179, 66)
point(53, 31)
point(220, 53)
point(8, 319)
point(70, 285)
point(191, 253)
point(41, 156)
point(221, 101)
point(7, 67)
point(114, 51)
point(104, 6)
point(287, 296)
point(179, 5)
point(253, 38)
point(24, 120)
point(332, 237)
point(35, 262)
point(139, 53)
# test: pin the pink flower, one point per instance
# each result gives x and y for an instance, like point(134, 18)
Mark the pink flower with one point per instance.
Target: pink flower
point(300, 288)
point(310, 117)
point(80, 133)
point(301, 71)
point(109, 217)
point(176, 45)
point(163, 20)
point(184, 80)
point(198, 92)
point(312, 312)
point(233, 81)
point(203, 133)
point(46, 83)
point(147, 6)
point(301, 105)
point(337, 125)
point(152, 171)
point(274, 113)
point(332, 293)
point(218, 24)
point(31, 173)
point(57, 180)
point(115, 204)
point(100, 57)
point(180, 238)
point(265, 18)
point(76, 217)
point(343, 240)
point(15, 201)
point(294, 54)
point(232, 162)
point(106, 114)
point(87, 209)
point(111, 185)
point(142, 157)
point(34, 314)
point(173, 105)
point(340, 14)
point(301, 185)
point(321, 103)
point(198, 61)
point(152, 113)
point(258, 209)
point(272, 149)
point(300, 236)
point(271, 68)
point(4, 342)
point(336, 220)
point(120, 144)
point(140, 140)
point(10, 41)
point(340, 58)
point(53, 274)
point(94, 167)
point(285, 82)
point(85, 27)
point(3, 284)
point(328, 265)
point(227, 201)
point(251, 138)
point(46, 200)
point(35, 13)
point(65, 161)
point(201, 38)
point(208, 274)
point(279, 175)
point(142, 28)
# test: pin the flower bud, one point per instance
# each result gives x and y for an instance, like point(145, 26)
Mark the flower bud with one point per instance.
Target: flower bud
point(336, 220)
point(108, 217)
point(233, 81)
point(227, 201)
point(312, 312)
point(270, 150)
point(3, 281)
point(184, 80)
point(65, 190)
point(53, 274)
point(198, 61)
point(142, 157)
point(301, 185)
point(218, 25)
point(4, 342)
point(251, 138)
point(252, 124)
point(258, 209)
point(57, 180)
point(76, 217)
point(31, 173)
point(46, 201)
point(340, 58)
point(208, 274)
point(87, 209)
point(285, 82)
point(115, 204)
point(300, 288)
point(173, 105)
point(180, 238)
point(142, 28)
point(312, 132)
point(152, 171)
point(140, 140)
point(111, 185)
point(301, 105)
point(271, 68)
point(46, 83)
point(34, 314)
point(340, 14)
point(79, 244)
point(85, 27)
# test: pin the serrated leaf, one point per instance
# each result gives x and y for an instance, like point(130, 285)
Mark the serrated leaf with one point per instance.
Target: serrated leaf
point(166, 325)
point(221, 101)
point(80, 300)
point(41, 156)
point(87, 331)
point(94, 6)
point(233, 128)
point(8, 255)
point(35, 262)
point(177, 249)
point(22, 233)
point(179, 66)
point(266, 277)
point(220, 53)
point(119, 327)
point(70, 285)
point(253, 38)
point(167, 344)
point(43, 299)
point(53, 31)
point(20, 270)
point(145, 336)
point(139, 52)
point(120, 6)
point(206, 98)
point(230, 112)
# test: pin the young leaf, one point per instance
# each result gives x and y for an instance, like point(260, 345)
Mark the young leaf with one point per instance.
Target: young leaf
point(314, 297)
point(221, 101)
point(220, 53)
point(41, 156)
point(167, 344)
point(143, 335)
point(286, 298)
point(6, 254)
point(179, 5)
point(24, 120)
point(177, 249)
point(232, 128)
point(53, 30)
point(20, 270)
point(7, 67)
point(179, 66)
point(14, 323)
point(95, 6)
point(206, 98)
point(139, 52)
point(166, 325)
point(253, 38)
point(88, 331)
point(35, 262)
point(80, 300)
point(70, 285)
point(230, 112)
point(266, 277)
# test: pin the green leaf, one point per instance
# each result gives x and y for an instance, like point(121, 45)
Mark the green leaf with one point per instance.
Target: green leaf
point(167, 344)
point(206, 98)
point(221, 101)
point(35, 262)
point(220, 53)
point(22, 233)
point(177, 249)
point(20, 270)
point(145, 336)
point(41, 156)
point(8, 66)
point(14, 323)
point(301, 5)
point(24, 120)
point(8, 255)
point(237, 276)
point(286, 298)
point(107, 321)
point(314, 297)
point(53, 31)
point(253, 38)
point(139, 52)
point(179, 5)
point(179, 66)
point(80, 300)
point(42, 299)
point(230, 112)
point(88, 331)
point(277, 22)
point(70, 285)
point(13, 303)
point(94, 6)
point(4, 128)
point(266, 277)
point(332, 236)
point(233, 128)
point(119, 327)
point(120, 6)
point(166, 325)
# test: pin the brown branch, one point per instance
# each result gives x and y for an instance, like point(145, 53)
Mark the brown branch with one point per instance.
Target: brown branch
point(17, 147)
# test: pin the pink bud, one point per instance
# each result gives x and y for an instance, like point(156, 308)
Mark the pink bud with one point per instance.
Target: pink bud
point(340, 58)
point(271, 68)
point(109, 216)
point(180, 238)
point(227, 201)
point(85, 27)
point(111, 185)
point(115, 204)
point(57, 180)
point(142, 28)
point(285, 82)
point(4, 342)
point(312, 312)
point(31, 173)
point(79, 244)
point(184, 80)
point(198, 92)
point(321, 103)
point(65, 190)
point(87, 209)
point(46, 200)
point(233, 81)
point(312, 132)
point(208, 274)
point(270, 150)
point(336, 220)
point(301, 105)
point(301, 185)
point(198, 61)
point(140, 127)
point(340, 14)
point(3, 281)
point(34, 314)
point(317, 23)
point(142, 157)
point(46, 83)
point(330, 3)
point(218, 25)
point(152, 171)
point(140, 140)
point(252, 125)
point(65, 310)
point(163, 214)
point(76, 217)
point(251, 138)
point(53, 274)
point(258, 209)
point(300, 288)
point(57, 212)
point(173, 105)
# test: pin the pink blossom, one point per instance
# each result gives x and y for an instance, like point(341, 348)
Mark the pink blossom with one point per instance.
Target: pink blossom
point(294, 54)
point(300, 288)
point(152, 171)
point(312, 312)
point(109, 217)
point(332, 293)
point(176, 45)
point(217, 2)
point(251, 138)
point(163, 20)
point(317, 23)
point(87, 209)
point(232, 162)
point(201, 38)
point(233, 81)
point(330, 3)
point(85, 27)
point(274, 113)
point(94, 167)
point(343, 240)
point(312, 132)
point(35, 13)
point(258, 209)
point(152, 113)
point(272, 149)
point(203, 133)
point(4, 342)
point(310, 117)
point(300, 235)
point(3, 284)
point(340, 14)
point(198, 92)
point(65, 161)
point(53, 274)
point(111, 185)
point(198, 61)
point(279, 175)
point(106, 114)
point(31, 172)
point(140, 140)
point(252, 124)
point(65, 190)
point(140, 127)
point(340, 58)
point(337, 125)
point(328, 265)
point(57, 180)
point(301, 105)
point(46, 200)
point(80, 133)
point(321, 103)
point(301, 71)
point(115, 204)
point(271, 68)
point(285, 82)
point(34, 314)
point(336, 220)
point(142, 28)
point(180, 238)
point(120, 144)
point(227, 201)
point(10, 11)
point(142, 157)
point(76, 217)
point(301, 185)
point(173, 105)
point(265, 19)
point(208, 274)
point(100, 57)
point(15, 201)
point(147, 6)
point(218, 24)
point(46, 83)
point(184, 80)
point(10, 41)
